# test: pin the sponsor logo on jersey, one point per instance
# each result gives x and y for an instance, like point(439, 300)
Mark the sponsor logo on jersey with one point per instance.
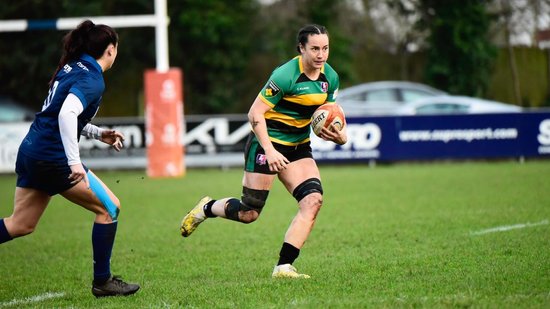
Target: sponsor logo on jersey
point(272, 89)
point(324, 86)
point(261, 159)
point(82, 66)
point(67, 68)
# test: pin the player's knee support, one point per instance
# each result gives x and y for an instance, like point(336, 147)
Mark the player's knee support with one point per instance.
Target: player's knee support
point(311, 185)
point(232, 208)
point(251, 200)
point(254, 199)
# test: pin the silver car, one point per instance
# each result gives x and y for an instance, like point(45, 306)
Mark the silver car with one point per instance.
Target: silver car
point(382, 98)
point(455, 105)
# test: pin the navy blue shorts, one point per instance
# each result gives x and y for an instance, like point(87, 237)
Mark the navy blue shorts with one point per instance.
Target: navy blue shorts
point(47, 176)
point(254, 154)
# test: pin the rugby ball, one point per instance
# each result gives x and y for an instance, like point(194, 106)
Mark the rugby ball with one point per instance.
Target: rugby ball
point(327, 114)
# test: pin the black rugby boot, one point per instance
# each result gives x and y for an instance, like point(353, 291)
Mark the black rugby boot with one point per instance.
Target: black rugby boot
point(114, 286)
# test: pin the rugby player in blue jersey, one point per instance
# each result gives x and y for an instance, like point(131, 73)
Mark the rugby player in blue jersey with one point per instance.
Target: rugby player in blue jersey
point(48, 160)
point(279, 146)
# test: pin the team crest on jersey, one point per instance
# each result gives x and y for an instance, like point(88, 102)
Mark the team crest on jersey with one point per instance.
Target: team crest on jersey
point(324, 86)
point(261, 159)
point(271, 89)
point(67, 68)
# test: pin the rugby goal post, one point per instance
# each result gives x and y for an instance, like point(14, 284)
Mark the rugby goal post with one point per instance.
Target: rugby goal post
point(163, 86)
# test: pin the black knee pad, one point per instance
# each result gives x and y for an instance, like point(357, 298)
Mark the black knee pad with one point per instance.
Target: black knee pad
point(232, 208)
point(254, 199)
point(312, 185)
point(250, 200)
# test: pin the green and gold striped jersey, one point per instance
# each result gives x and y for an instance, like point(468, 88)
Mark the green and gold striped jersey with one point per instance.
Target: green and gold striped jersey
point(293, 98)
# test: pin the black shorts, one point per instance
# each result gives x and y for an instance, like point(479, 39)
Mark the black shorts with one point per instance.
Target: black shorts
point(48, 176)
point(254, 154)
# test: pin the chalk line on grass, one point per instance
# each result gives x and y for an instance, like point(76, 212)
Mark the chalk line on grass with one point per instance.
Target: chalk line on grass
point(505, 228)
point(32, 299)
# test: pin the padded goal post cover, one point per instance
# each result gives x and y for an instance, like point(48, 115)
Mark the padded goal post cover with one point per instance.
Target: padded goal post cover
point(164, 123)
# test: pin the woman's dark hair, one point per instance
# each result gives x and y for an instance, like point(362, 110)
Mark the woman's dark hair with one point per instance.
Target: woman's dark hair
point(306, 31)
point(87, 38)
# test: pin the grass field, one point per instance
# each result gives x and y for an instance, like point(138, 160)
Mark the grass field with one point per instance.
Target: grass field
point(473, 234)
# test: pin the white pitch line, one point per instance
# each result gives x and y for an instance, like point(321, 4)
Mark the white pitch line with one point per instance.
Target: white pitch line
point(32, 299)
point(508, 227)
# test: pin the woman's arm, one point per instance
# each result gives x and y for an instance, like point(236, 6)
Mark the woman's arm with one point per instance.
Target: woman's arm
point(68, 127)
point(111, 137)
point(256, 117)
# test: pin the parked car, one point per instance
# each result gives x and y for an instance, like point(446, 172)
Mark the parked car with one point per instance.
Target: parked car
point(10, 111)
point(447, 104)
point(382, 98)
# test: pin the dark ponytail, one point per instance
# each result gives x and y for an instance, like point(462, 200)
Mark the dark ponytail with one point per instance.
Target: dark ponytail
point(87, 38)
point(306, 31)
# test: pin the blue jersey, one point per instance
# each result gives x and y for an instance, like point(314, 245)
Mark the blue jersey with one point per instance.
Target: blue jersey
point(83, 78)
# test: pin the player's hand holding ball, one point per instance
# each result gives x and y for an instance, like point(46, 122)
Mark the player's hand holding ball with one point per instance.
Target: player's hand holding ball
point(328, 122)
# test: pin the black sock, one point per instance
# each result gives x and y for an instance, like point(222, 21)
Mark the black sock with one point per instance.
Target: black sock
point(208, 209)
point(288, 254)
point(103, 238)
point(4, 235)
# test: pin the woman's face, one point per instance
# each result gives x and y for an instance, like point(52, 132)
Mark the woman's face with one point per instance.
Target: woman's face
point(315, 52)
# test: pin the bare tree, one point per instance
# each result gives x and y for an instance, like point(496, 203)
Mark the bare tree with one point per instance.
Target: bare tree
point(395, 22)
point(510, 24)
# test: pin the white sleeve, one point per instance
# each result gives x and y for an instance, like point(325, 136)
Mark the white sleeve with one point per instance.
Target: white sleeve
point(92, 131)
point(68, 127)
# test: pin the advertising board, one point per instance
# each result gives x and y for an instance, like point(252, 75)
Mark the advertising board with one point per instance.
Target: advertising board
point(218, 140)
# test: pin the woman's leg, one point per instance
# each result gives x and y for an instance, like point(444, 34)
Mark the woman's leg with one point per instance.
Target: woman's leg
point(246, 210)
point(301, 178)
point(99, 199)
point(255, 190)
point(29, 205)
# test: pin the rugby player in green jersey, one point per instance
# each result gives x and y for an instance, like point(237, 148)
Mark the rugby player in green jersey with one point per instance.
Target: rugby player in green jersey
point(279, 146)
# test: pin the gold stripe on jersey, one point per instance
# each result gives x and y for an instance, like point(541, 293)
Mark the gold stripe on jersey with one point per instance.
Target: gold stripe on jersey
point(288, 120)
point(308, 99)
point(266, 101)
point(278, 141)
